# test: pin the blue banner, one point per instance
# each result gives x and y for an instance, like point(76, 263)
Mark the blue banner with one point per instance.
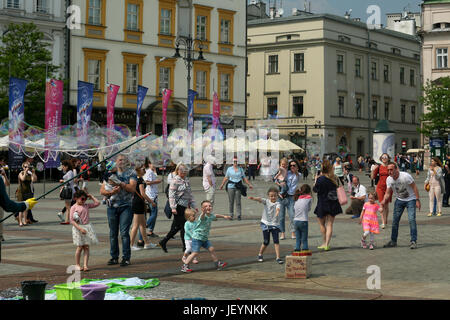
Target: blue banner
point(84, 111)
point(16, 121)
point(190, 106)
point(142, 92)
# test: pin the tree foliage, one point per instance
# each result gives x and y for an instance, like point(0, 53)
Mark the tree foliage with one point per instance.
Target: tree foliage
point(436, 98)
point(25, 55)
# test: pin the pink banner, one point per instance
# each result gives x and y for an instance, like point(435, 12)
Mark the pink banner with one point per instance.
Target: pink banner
point(165, 103)
point(216, 111)
point(53, 109)
point(111, 102)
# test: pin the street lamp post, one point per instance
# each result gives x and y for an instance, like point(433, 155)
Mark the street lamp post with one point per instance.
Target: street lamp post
point(188, 43)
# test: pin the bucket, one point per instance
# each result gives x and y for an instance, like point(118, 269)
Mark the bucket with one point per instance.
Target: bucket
point(33, 290)
point(68, 292)
point(94, 291)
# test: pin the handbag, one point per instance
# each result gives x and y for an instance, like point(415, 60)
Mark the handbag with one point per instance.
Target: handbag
point(342, 197)
point(66, 193)
point(168, 210)
point(427, 187)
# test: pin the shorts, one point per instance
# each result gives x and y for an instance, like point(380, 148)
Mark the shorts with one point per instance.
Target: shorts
point(197, 244)
point(188, 244)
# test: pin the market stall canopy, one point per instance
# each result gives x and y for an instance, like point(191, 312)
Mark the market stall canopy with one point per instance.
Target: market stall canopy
point(415, 151)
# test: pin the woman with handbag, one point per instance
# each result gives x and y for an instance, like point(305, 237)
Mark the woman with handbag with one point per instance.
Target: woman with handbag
point(381, 172)
point(67, 191)
point(233, 178)
point(435, 186)
point(180, 198)
point(328, 206)
point(25, 192)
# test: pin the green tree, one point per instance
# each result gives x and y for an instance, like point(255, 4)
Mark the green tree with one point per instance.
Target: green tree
point(25, 55)
point(436, 98)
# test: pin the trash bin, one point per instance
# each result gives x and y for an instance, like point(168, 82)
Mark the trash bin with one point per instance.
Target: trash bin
point(94, 291)
point(33, 290)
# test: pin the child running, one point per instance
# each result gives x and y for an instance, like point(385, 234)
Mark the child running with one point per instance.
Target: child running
point(369, 220)
point(189, 227)
point(83, 233)
point(270, 223)
point(302, 207)
point(200, 237)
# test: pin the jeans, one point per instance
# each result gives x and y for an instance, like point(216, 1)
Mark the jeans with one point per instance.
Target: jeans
point(153, 214)
point(286, 203)
point(234, 193)
point(301, 233)
point(399, 207)
point(120, 219)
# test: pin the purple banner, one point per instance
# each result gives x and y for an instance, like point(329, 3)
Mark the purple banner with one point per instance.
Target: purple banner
point(53, 108)
point(142, 92)
point(84, 112)
point(190, 107)
point(16, 121)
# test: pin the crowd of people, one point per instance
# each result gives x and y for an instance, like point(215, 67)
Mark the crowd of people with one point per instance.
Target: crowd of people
point(131, 194)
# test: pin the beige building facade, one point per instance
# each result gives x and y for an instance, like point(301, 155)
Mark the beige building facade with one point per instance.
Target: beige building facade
point(133, 42)
point(315, 76)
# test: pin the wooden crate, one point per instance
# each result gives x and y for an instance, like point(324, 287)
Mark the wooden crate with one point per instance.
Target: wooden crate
point(298, 267)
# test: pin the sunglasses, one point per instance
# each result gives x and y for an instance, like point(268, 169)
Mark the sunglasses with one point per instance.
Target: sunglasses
point(83, 199)
point(293, 165)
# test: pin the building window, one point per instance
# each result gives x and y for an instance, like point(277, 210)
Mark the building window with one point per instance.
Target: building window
point(225, 26)
point(340, 63)
point(132, 17)
point(166, 22)
point(273, 64)
point(42, 6)
point(200, 84)
point(413, 114)
point(412, 78)
point(94, 73)
point(132, 78)
point(402, 75)
point(201, 27)
point(403, 113)
point(298, 106)
point(13, 4)
point(386, 110)
point(95, 12)
point(299, 62)
point(164, 79)
point(374, 110)
point(442, 58)
point(272, 107)
point(386, 73)
point(358, 67)
point(341, 106)
point(374, 72)
point(358, 108)
point(225, 87)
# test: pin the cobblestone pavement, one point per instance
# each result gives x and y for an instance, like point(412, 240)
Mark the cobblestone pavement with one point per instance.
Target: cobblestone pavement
point(44, 251)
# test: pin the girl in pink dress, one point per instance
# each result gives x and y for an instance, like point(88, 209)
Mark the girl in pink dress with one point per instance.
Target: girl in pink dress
point(369, 220)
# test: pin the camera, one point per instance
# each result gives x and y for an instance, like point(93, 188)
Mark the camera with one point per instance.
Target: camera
point(353, 193)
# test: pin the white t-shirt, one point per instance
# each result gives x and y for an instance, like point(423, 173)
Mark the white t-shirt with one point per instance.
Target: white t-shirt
point(269, 214)
point(402, 186)
point(208, 171)
point(360, 191)
point(151, 190)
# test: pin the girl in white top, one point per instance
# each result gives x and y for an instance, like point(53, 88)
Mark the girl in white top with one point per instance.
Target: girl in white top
point(437, 185)
point(302, 207)
point(270, 222)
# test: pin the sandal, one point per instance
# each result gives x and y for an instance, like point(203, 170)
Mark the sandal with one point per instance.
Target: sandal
point(85, 269)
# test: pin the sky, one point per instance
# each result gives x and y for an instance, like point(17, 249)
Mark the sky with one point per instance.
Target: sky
point(359, 7)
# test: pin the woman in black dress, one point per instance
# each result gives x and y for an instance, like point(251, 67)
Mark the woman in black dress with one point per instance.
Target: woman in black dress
point(138, 208)
point(327, 203)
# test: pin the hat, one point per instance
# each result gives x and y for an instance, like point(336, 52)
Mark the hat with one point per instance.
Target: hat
point(110, 165)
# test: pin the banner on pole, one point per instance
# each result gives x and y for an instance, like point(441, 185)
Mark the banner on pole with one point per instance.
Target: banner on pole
point(142, 92)
point(16, 121)
point(165, 103)
point(190, 107)
point(111, 101)
point(216, 111)
point(53, 109)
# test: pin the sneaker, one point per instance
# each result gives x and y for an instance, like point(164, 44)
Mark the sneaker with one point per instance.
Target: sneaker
point(221, 265)
point(355, 217)
point(153, 235)
point(363, 244)
point(124, 263)
point(185, 268)
point(239, 218)
point(60, 216)
point(371, 246)
point(279, 261)
point(163, 246)
point(150, 246)
point(135, 248)
point(140, 243)
point(390, 244)
point(430, 214)
point(112, 262)
point(439, 214)
point(260, 258)
point(1, 238)
point(413, 245)
point(383, 226)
